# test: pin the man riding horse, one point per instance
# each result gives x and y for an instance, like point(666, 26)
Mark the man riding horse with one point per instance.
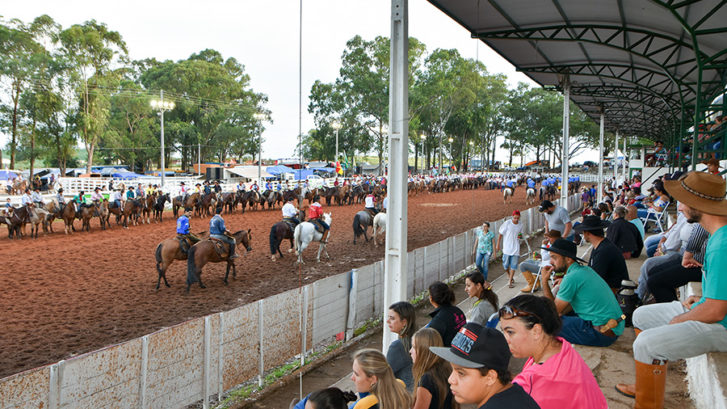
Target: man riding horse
point(219, 231)
point(290, 213)
point(370, 204)
point(186, 239)
point(315, 211)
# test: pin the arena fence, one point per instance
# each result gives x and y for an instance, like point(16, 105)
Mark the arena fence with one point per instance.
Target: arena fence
point(201, 358)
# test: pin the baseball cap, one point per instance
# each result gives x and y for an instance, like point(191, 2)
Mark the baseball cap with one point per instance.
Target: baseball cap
point(475, 346)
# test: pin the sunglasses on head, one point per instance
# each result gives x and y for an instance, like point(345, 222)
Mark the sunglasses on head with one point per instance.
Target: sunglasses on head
point(508, 312)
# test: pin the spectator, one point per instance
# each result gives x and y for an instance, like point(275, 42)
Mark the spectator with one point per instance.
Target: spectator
point(712, 166)
point(532, 266)
point(554, 374)
point(486, 299)
point(482, 249)
point(509, 242)
point(479, 358)
point(329, 398)
point(672, 255)
point(556, 218)
point(401, 321)
point(606, 259)
point(657, 205)
point(375, 382)
point(624, 235)
point(674, 330)
point(430, 372)
point(632, 217)
point(597, 319)
point(446, 318)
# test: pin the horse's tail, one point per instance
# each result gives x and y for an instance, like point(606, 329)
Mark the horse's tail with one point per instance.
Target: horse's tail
point(273, 240)
point(191, 266)
point(296, 238)
point(357, 230)
point(158, 257)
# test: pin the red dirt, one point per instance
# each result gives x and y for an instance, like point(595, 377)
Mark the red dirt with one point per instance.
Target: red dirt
point(67, 295)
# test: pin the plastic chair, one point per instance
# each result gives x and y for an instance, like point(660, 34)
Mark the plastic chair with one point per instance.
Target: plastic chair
point(493, 320)
point(658, 218)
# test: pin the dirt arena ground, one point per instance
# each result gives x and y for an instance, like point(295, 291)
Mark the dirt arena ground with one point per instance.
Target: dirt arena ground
point(67, 295)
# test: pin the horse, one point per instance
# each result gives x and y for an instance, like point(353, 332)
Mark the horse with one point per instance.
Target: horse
point(68, 214)
point(305, 233)
point(87, 213)
point(166, 252)
point(507, 194)
point(131, 208)
point(159, 205)
point(186, 204)
point(18, 219)
point(206, 252)
point(36, 218)
point(147, 207)
point(379, 226)
point(530, 196)
point(204, 204)
point(361, 222)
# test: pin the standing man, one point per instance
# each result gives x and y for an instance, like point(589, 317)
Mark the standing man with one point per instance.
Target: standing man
point(556, 218)
point(219, 231)
point(509, 242)
point(670, 331)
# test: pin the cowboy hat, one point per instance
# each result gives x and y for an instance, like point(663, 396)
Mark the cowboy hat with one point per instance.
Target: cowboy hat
point(591, 223)
point(700, 191)
point(565, 248)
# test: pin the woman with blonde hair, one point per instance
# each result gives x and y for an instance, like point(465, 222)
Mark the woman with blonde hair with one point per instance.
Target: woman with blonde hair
point(376, 384)
point(430, 372)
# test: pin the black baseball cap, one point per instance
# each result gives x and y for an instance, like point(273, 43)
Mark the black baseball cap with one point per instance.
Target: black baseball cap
point(475, 346)
point(545, 204)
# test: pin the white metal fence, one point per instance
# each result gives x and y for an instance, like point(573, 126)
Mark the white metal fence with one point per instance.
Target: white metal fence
point(204, 357)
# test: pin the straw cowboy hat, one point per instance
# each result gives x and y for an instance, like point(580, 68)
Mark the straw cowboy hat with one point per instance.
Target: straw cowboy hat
point(700, 191)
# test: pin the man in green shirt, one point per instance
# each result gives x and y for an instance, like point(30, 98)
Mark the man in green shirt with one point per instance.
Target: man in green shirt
point(598, 318)
point(669, 331)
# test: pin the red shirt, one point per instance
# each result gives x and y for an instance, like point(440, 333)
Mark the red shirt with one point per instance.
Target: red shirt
point(315, 211)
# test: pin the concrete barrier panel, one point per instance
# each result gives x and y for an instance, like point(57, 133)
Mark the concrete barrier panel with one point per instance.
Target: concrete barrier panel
point(282, 333)
point(26, 390)
point(240, 347)
point(329, 303)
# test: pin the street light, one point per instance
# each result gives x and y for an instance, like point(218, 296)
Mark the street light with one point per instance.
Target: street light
point(260, 117)
point(451, 154)
point(336, 125)
point(423, 138)
point(469, 157)
point(162, 105)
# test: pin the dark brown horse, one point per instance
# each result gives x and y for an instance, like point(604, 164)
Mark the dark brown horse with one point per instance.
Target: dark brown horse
point(68, 215)
point(190, 203)
point(147, 207)
point(159, 206)
point(19, 218)
point(169, 250)
point(132, 208)
point(206, 252)
point(280, 231)
point(87, 213)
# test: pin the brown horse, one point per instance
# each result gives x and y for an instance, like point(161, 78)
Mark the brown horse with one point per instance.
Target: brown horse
point(206, 252)
point(131, 208)
point(68, 214)
point(19, 218)
point(190, 203)
point(280, 231)
point(148, 206)
point(86, 214)
point(169, 250)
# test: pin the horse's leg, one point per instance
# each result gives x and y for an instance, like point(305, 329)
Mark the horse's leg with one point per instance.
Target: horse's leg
point(321, 246)
point(227, 272)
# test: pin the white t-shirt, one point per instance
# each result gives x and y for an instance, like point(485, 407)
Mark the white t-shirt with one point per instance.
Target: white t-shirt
point(386, 202)
point(510, 241)
point(369, 202)
point(545, 257)
point(289, 210)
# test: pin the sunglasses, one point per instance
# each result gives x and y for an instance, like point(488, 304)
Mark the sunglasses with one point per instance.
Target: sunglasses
point(508, 312)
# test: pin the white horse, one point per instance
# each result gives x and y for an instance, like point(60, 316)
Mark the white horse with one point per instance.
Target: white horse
point(305, 233)
point(530, 196)
point(379, 226)
point(506, 194)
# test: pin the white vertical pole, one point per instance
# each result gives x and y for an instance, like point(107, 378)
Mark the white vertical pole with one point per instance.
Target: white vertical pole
point(199, 158)
point(144, 370)
point(261, 326)
point(624, 162)
point(615, 156)
point(161, 113)
point(566, 137)
point(206, 363)
point(395, 275)
point(600, 158)
point(220, 357)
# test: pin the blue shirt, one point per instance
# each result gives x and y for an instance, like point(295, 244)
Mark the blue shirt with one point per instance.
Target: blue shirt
point(217, 225)
point(531, 183)
point(183, 225)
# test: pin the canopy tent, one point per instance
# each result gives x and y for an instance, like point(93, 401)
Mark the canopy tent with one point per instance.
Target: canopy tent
point(249, 172)
point(128, 175)
point(279, 169)
point(7, 175)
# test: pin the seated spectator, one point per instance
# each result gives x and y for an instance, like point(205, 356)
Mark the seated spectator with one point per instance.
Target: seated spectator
point(480, 375)
point(606, 259)
point(430, 372)
point(657, 205)
point(633, 218)
point(671, 331)
point(375, 382)
point(554, 374)
point(486, 299)
point(401, 320)
point(712, 166)
point(597, 320)
point(446, 318)
point(624, 235)
point(664, 278)
point(532, 266)
point(329, 398)
point(657, 242)
point(671, 251)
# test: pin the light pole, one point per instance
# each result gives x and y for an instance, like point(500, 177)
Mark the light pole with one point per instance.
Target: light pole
point(336, 126)
point(423, 138)
point(162, 106)
point(451, 154)
point(259, 117)
point(469, 156)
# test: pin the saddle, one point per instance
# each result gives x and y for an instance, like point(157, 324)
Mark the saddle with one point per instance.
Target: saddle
point(371, 212)
point(317, 224)
point(220, 247)
point(290, 223)
point(184, 244)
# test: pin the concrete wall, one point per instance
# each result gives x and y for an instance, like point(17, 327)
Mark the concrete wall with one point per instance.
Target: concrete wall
point(190, 362)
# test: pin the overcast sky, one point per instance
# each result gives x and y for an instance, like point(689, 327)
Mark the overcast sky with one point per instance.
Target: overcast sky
point(263, 35)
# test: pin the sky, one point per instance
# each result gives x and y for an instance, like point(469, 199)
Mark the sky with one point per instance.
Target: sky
point(264, 36)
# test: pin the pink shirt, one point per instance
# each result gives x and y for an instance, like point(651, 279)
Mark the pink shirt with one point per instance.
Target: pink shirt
point(564, 381)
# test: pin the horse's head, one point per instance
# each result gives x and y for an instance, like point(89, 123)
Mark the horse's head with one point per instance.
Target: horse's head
point(327, 218)
point(244, 237)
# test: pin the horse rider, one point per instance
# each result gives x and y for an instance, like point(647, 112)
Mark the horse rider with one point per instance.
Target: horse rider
point(385, 203)
point(254, 186)
point(116, 198)
point(26, 200)
point(315, 211)
point(370, 204)
point(219, 232)
point(183, 233)
point(240, 187)
point(111, 185)
point(207, 188)
point(37, 198)
point(150, 190)
point(130, 194)
point(183, 192)
point(96, 196)
point(61, 200)
point(290, 213)
point(217, 187)
point(198, 188)
point(139, 191)
point(81, 203)
point(8, 208)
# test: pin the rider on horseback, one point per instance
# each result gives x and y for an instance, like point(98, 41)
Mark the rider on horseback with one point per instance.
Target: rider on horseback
point(370, 204)
point(315, 211)
point(290, 213)
point(186, 239)
point(96, 196)
point(80, 203)
point(218, 231)
point(37, 198)
point(183, 191)
point(116, 198)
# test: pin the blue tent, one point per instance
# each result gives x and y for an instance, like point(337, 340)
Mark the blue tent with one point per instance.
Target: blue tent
point(325, 170)
point(302, 174)
point(7, 175)
point(277, 170)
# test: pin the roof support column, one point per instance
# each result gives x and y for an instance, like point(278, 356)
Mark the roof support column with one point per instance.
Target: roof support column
point(566, 138)
point(395, 270)
point(625, 175)
point(600, 157)
point(614, 162)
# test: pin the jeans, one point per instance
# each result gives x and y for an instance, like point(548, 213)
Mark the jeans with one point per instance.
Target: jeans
point(667, 342)
point(532, 266)
point(226, 239)
point(578, 331)
point(645, 271)
point(509, 261)
point(664, 279)
point(651, 243)
point(482, 261)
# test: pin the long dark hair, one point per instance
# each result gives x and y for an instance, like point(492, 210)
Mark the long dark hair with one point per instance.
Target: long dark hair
point(441, 293)
point(487, 293)
point(331, 398)
point(406, 312)
point(540, 310)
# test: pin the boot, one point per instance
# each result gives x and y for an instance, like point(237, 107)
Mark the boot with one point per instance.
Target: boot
point(324, 238)
point(531, 282)
point(232, 252)
point(649, 388)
